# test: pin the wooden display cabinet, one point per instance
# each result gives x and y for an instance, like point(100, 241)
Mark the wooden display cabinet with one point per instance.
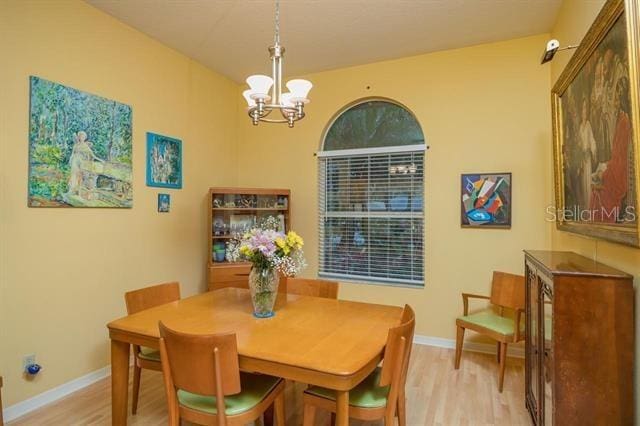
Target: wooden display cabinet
point(232, 211)
point(580, 341)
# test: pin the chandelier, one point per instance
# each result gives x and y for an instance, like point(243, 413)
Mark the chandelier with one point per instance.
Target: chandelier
point(265, 96)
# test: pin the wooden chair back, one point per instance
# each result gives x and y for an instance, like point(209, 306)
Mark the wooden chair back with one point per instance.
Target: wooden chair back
point(201, 364)
point(507, 290)
point(316, 288)
point(150, 297)
point(398, 349)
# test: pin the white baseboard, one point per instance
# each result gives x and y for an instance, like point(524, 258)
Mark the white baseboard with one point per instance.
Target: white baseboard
point(515, 351)
point(24, 407)
point(28, 405)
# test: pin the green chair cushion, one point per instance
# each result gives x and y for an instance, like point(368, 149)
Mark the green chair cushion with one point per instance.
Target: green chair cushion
point(149, 354)
point(368, 394)
point(255, 387)
point(492, 321)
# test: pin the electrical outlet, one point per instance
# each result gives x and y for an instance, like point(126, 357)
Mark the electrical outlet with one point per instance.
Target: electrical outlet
point(28, 360)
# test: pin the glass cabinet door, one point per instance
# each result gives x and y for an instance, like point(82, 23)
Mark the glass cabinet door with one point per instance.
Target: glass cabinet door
point(547, 355)
point(532, 344)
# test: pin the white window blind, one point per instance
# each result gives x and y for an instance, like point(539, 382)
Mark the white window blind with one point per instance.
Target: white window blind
point(372, 215)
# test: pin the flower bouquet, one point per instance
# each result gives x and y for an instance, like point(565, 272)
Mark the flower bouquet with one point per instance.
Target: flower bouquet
point(271, 253)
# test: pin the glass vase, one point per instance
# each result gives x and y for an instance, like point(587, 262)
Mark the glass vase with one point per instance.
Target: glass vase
point(263, 284)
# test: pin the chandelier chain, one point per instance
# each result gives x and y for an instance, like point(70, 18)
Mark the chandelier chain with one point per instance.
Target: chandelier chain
point(277, 35)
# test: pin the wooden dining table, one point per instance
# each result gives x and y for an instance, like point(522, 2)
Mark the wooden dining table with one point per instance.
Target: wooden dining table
point(323, 342)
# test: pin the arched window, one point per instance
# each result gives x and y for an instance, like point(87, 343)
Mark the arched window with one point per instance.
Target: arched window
point(371, 184)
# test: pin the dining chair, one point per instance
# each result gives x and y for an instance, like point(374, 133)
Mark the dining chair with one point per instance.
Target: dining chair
point(381, 394)
point(139, 300)
point(204, 385)
point(507, 291)
point(310, 287)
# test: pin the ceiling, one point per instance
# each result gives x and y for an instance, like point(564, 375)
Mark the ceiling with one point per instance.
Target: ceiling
point(232, 36)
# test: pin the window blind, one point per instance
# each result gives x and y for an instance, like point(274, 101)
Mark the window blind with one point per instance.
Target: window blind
point(371, 224)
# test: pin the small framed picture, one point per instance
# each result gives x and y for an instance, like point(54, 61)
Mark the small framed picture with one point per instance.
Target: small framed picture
point(164, 203)
point(485, 200)
point(164, 161)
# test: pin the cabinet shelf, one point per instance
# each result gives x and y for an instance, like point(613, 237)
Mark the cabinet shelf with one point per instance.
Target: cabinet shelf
point(228, 264)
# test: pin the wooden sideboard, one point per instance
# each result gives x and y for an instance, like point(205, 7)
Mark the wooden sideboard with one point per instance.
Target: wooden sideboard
point(579, 341)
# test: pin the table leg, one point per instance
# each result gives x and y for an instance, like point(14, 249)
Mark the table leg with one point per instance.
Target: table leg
point(119, 382)
point(342, 412)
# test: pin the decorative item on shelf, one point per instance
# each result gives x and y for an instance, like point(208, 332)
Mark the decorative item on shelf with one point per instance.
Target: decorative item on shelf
point(218, 227)
point(595, 113)
point(281, 226)
point(290, 104)
point(219, 255)
point(164, 161)
point(241, 223)
point(246, 202)
point(232, 254)
point(217, 203)
point(164, 203)
point(282, 202)
point(219, 251)
point(485, 200)
point(79, 148)
point(271, 253)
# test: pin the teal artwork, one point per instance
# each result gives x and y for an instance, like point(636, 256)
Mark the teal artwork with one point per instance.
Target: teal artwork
point(79, 148)
point(164, 161)
point(164, 203)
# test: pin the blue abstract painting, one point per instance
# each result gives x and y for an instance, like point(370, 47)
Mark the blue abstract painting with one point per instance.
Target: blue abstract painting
point(79, 148)
point(486, 200)
point(164, 161)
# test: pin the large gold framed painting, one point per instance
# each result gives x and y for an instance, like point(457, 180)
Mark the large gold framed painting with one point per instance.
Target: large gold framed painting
point(595, 128)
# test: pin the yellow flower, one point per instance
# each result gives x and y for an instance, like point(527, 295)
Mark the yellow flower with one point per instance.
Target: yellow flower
point(280, 242)
point(294, 240)
point(245, 250)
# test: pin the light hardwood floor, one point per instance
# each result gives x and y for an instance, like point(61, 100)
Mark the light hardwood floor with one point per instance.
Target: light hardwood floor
point(436, 395)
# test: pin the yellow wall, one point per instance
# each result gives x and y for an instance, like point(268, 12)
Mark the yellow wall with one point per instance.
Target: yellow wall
point(63, 272)
point(482, 109)
point(573, 21)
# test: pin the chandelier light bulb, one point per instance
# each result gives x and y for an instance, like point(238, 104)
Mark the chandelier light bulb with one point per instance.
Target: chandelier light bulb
point(299, 90)
point(260, 85)
point(247, 96)
point(285, 100)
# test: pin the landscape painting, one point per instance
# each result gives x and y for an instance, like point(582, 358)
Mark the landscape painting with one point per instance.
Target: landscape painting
point(79, 148)
point(486, 200)
point(164, 161)
point(595, 148)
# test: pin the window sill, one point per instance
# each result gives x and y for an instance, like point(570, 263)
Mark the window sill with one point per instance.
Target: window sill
point(342, 279)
